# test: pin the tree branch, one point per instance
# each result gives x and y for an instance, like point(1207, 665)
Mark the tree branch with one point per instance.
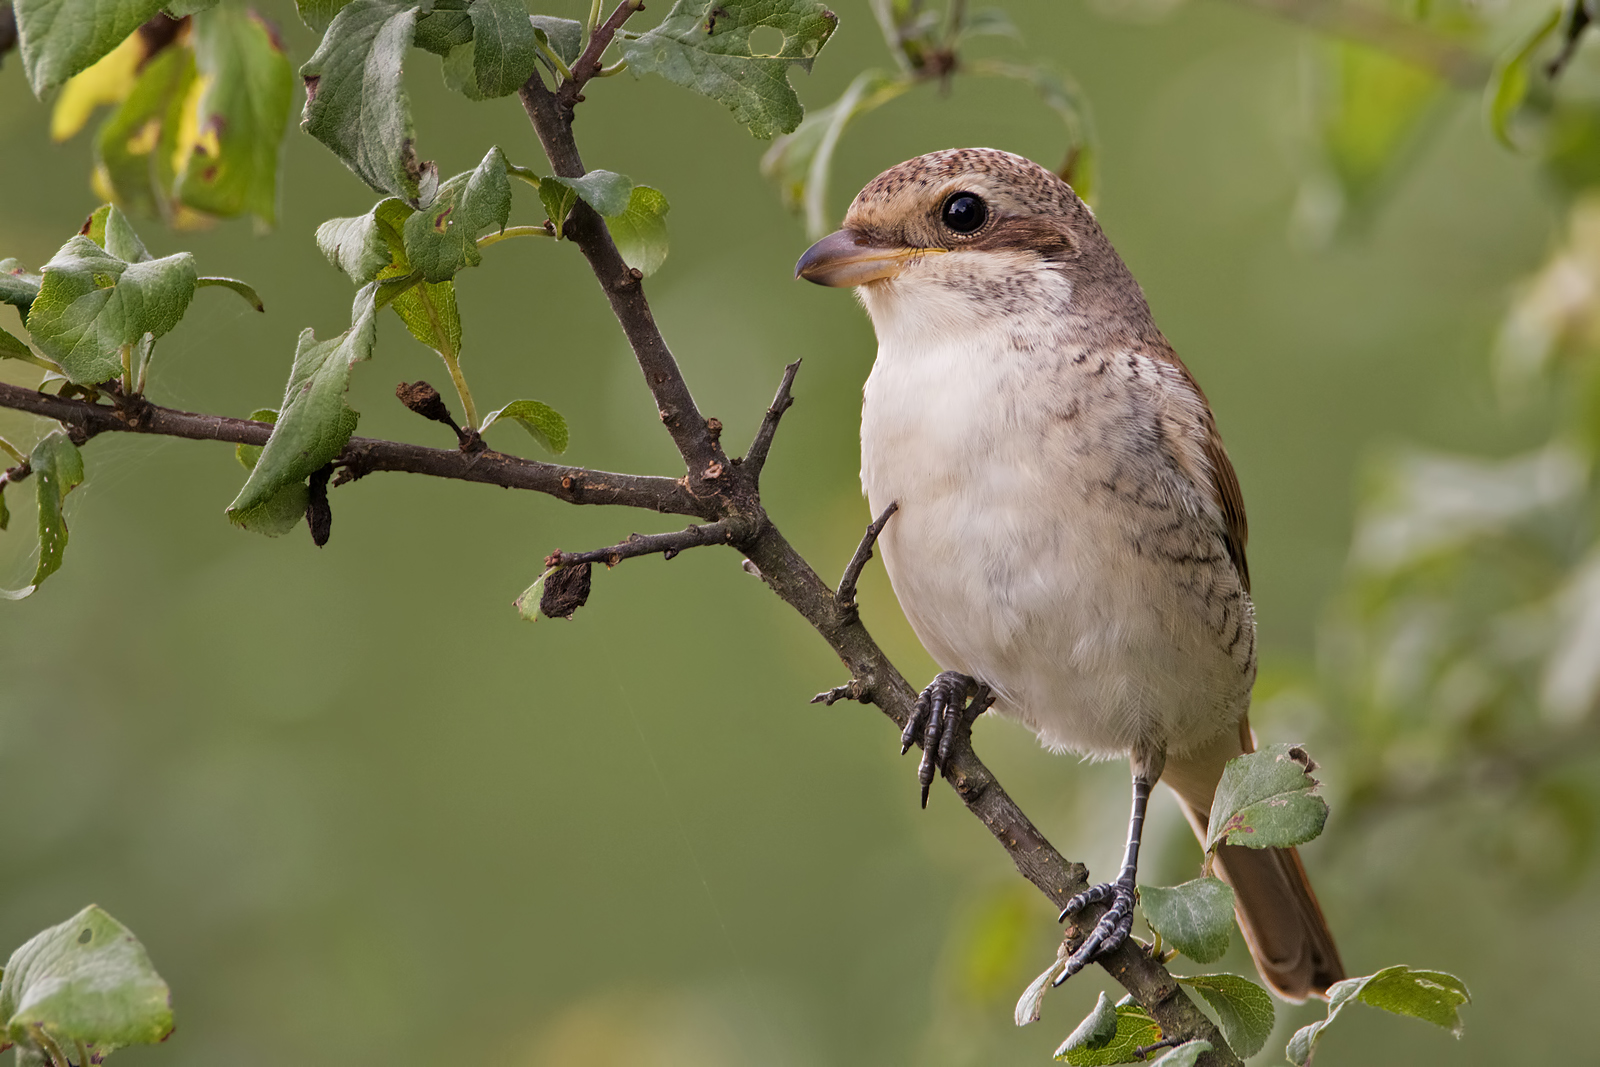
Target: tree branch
point(756, 457)
point(668, 544)
point(588, 65)
point(366, 455)
point(845, 596)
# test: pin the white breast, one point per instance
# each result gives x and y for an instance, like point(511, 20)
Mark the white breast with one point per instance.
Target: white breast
point(1019, 553)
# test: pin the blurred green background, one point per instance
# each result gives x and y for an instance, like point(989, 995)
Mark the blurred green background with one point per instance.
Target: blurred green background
point(359, 813)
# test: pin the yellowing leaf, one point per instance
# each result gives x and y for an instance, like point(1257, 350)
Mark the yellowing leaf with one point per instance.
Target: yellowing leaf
point(107, 82)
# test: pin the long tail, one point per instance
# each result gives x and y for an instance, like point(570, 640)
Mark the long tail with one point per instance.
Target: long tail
point(1273, 899)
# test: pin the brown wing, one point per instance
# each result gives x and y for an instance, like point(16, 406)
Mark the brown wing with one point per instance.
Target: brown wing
point(1231, 500)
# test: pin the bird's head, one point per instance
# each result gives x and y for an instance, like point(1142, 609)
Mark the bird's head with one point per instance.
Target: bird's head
point(973, 233)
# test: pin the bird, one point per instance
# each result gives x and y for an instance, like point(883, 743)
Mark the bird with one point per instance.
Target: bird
point(1069, 533)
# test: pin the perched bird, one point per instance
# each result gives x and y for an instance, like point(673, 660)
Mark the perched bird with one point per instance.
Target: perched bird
point(1070, 536)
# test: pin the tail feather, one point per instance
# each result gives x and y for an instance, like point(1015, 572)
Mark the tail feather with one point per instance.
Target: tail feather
point(1277, 909)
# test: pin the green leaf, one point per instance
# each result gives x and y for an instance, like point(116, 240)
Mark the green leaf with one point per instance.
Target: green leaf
point(317, 14)
point(1266, 800)
point(137, 147)
point(181, 8)
point(541, 420)
point(88, 981)
point(232, 167)
point(528, 603)
point(1433, 996)
point(564, 36)
point(1509, 82)
point(1184, 1055)
point(14, 348)
point(1096, 1030)
point(1243, 1009)
point(92, 304)
point(640, 231)
point(315, 422)
point(246, 292)
point(110, 229)
point(356, 104)
point(557, 198)
point(504, 51)
point(990, 22)
point(18, 286)
point(429, 311)
point(247, 455)
point(1032, 999)
point(60, 38)
point(441, 239)
point(606, 191)
point(1134, 1030)
point(1196, 918)
point(445, 27)
point(705, 45)
point(57, 470)
point(366, 244)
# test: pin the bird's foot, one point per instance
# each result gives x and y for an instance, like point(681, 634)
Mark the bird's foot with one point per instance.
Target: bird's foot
point(1112, 929)
point(941, 713)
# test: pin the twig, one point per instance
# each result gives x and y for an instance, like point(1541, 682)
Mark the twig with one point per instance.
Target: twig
point(365, 455)
point(588, 64)
point(1167, 1042)
point(668, 544)
point(761, 444)
point(845, 597)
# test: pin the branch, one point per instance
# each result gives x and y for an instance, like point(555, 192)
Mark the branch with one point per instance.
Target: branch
point(366, 455)
point(588, 65)
point(761, 444)
point(1403, 39)
point(700, 451)
point(845, 597)
point(668, 544)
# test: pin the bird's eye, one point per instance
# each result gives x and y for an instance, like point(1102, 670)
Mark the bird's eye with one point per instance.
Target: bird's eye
point(964, 212)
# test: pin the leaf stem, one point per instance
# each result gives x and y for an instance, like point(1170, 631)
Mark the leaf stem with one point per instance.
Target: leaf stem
point(555, 60)
point(127, 370)
point(11, 448)
point(452, 359)
point(594, 18)
point(616, 68)
point(527, 174)
point(513, 231)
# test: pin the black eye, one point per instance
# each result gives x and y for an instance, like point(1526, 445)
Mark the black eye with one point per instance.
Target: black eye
point(964, 212)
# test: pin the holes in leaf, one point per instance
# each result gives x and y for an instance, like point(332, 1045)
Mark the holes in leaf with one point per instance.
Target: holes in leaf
point(85, 936)
point(766, 41)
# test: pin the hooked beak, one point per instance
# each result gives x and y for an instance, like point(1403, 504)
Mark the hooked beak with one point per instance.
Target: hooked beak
point(846, 258)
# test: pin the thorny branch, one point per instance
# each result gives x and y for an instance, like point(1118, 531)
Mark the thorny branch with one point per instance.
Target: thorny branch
point(714, 488)
point(845, 596)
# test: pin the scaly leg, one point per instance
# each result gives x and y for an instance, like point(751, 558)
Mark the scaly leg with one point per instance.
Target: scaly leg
point(940, 713)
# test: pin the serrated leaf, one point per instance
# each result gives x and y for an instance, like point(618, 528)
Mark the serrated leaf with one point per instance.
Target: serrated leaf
point(248, 87)
point(564, 36)
point(356, 104)
point(364, 245)
point(14, 348)
point(527, 604)
point(92, 303)
point(504, 51)
point(604, 190)
point(542, 421)
point(59, 38)
point(18, 286)
point(317, 14)
point(88, 981)
point(441, 239)
point(1433, 996)
point(1184, 1055)
point(1266, 800)
point(640, 231)
point(247, 455)
point(315, 421)
point(57, 470)
point(443, 27)
point(1196, 918)
point(428, 310)
point(705, 45)
point(1244, 1010)
point(1096, 1030)
point(110, 229)
point(1508, 83)
point(137, 147)
point(245, 291)
point(1134, 1030)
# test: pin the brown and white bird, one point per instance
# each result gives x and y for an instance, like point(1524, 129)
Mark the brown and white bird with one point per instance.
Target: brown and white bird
point(1070, 534)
